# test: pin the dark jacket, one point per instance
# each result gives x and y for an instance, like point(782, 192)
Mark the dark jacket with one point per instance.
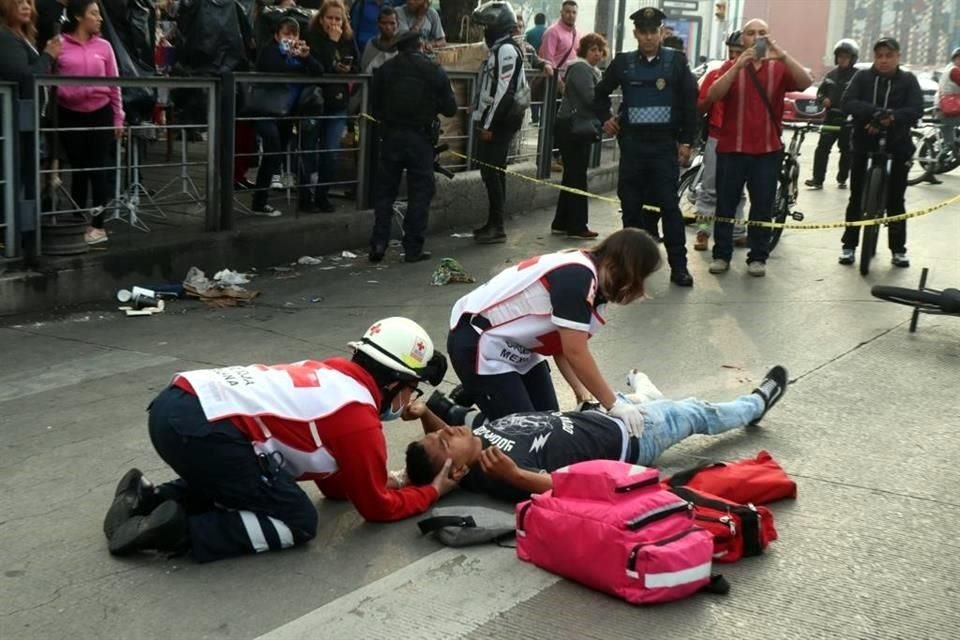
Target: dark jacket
point(49, 16)
point(869, 92)
point(685, 123)
point(833, 87)
point(329, 53)
point(271, 60)
point(410, 90)
point(19, 62)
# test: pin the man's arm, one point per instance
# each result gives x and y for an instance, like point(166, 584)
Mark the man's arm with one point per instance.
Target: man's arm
point(798, 77)
point(704, 103)
point(548, 46)
point(688, 103)
point(910, 113)
point(447, 104)
point(601, 93)
point(576, 351)
point(721, 87)
point(856, 99)
point(499, 466)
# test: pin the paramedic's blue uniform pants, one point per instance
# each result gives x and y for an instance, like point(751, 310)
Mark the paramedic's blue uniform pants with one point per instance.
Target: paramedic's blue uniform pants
point(237, 503)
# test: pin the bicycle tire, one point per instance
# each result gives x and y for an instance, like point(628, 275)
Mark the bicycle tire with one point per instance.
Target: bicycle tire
point(781, 209)
point(924, 299)
point(925, 150)
point(687, 194)
point(872, 209)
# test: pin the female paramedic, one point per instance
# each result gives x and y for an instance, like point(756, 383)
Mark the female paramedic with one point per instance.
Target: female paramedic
point(548, 305)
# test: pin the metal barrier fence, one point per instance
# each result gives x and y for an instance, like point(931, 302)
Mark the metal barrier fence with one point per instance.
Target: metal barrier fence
point(8, 170)
point(193, 180)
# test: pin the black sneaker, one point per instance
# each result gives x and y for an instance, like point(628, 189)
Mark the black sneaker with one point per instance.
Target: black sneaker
point(461, 397)
point(813, 184)
point(376, 253)
point(681, 278)
point(440, 405)
point(841, 185)
point(771, 389)
point(165, 529)
point(490, 235)
point(134, 496)
point(417, 257)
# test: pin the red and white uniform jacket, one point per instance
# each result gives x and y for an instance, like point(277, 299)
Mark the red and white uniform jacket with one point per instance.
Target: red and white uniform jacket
point(323, 417)
point(518, 305)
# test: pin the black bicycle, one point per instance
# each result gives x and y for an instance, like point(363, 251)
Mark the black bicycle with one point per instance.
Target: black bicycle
point(932, 156)
point(788, 187)
point(873, 206)
point(922, 299)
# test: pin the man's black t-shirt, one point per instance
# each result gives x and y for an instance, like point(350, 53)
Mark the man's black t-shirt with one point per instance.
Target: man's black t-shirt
point(545, 442)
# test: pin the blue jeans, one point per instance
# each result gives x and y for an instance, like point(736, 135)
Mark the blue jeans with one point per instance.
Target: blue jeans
point(331, 129)
point(760, 175)
point(667, 422)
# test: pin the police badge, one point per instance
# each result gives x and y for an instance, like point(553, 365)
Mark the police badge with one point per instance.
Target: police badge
point(661, 83)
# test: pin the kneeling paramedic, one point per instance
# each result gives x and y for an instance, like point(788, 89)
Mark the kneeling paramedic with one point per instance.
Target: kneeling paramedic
point(241, 437)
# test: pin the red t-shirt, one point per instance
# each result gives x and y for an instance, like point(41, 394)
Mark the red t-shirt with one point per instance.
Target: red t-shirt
point(747, 127)
point(716, 109)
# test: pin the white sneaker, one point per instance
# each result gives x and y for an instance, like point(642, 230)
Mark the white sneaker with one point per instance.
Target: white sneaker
point(95, 236)
point(757, 269)
point(900, 260)
point(267, 211)
point(276, 182)
point(719, 266)
point(847, 256)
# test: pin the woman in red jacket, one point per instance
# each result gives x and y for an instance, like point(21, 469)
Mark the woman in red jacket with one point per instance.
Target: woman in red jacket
point(241, 437)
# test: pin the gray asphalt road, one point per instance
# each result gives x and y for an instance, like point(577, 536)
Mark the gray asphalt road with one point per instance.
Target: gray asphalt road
point(869, 429)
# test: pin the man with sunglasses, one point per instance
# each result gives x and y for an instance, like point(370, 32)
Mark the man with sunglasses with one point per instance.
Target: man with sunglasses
point(240, 438)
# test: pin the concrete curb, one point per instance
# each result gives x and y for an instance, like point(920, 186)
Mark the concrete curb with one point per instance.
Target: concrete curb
point(62, 282)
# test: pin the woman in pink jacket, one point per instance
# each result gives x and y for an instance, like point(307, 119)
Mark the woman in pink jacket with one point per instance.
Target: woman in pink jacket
point(95, 114)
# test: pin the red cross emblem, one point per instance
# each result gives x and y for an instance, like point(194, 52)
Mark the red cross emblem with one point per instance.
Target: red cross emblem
point(421, 346)
point(375, 329)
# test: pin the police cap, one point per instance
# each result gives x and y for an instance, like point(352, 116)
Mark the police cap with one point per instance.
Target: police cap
point(408, 40)
point(648, 17)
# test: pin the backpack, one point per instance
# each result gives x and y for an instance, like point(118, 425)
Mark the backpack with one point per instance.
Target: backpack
point(609, 525)
point(758, 480)
point(739, 531)
point(513, 106)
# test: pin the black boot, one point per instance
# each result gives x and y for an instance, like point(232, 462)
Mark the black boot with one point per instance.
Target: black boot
point(377, 252)
point(165, 529)
point(447, 410)
point(490, 235)
point(462, 397)
point(134, 496)
point(771, 389)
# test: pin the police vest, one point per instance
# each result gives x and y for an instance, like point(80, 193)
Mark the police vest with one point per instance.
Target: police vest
point(517, 311)
point(648, 89)
point(410, 96)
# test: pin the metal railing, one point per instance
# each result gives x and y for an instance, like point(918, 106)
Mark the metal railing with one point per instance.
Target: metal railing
point(195, 179)
point(8, 173)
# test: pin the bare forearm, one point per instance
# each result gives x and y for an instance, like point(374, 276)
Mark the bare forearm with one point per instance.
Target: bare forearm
point(588, 373)
point(530, 481)
point(718, 91)
point(566, 370)
point(797, 72)
point(431, 422)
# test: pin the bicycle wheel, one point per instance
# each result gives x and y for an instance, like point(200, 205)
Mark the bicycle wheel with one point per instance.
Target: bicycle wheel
point(872, 209)
point(689, 183)
point(925, 299)
point(781, 210)
point(924, 163)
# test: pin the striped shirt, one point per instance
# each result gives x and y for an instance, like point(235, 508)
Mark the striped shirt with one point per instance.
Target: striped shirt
point(747, 126)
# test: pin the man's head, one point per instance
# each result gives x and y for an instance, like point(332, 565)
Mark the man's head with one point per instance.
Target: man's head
point(568, 13)
point(387, 23)
point(410, 41)
point(425, 457)
point(886, 56)
point(417, 6)
point(734, 45)
point(288, 30)
point(674, 42)
point(399, 355)
point(539, 20)
point(497, 18)
point(845, 53)
point(646, 29)
point(752, 30)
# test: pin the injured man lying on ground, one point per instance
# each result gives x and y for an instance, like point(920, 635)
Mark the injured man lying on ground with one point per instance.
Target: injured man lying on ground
point(511, 457)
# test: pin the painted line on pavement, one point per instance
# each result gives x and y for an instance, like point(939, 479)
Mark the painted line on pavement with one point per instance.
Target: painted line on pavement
point(77, 371)
point(447, 594)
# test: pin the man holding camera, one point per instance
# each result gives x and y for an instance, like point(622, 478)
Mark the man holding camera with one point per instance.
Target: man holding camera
point(749, 148)
point(883, 98)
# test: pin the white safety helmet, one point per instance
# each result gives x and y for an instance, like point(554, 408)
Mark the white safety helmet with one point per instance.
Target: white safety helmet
point(403, 346)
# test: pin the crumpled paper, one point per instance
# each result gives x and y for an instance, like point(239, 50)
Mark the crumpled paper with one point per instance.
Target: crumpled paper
point(449, 271)
point(229, 277)
point(217, 293)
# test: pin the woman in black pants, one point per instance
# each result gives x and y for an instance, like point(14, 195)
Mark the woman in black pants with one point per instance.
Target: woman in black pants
point(577, 106)
point(92, 115)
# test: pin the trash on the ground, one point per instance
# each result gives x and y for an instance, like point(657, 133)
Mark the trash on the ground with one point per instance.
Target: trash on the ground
point(309, 260)
point(349, 254)
point(281, 269)
point(336, 258)
point(231, 277)
point(316, 300)
point(143, 311)
point(287, 276)
point(461, 235)
point(450, 271)
point(326, 268)
point(373, 282)
point(216, 294)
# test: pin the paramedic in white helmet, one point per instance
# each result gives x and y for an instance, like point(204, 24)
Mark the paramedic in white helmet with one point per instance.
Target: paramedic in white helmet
point(240, 438)
point(548, 305)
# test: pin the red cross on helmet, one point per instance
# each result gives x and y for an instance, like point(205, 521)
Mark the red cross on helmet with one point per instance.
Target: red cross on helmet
point(400, 344)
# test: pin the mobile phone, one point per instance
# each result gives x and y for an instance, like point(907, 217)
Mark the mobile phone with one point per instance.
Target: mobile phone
point(760, 46)
point(347, 60)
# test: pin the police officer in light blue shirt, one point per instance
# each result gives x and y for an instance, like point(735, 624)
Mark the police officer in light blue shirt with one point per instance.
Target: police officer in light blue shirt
point(655, 127)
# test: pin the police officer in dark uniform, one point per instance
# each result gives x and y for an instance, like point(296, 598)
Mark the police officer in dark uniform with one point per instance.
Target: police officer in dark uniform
point(408, 92)
point(656, 126)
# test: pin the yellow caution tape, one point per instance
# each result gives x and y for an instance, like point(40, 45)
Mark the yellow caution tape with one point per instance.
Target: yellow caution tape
point(705, 218)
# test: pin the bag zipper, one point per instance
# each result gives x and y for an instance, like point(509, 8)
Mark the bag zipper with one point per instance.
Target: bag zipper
point(727, 520)
point(627, 488)
point(640, 521)
point(521, 517)
point(635, 551)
